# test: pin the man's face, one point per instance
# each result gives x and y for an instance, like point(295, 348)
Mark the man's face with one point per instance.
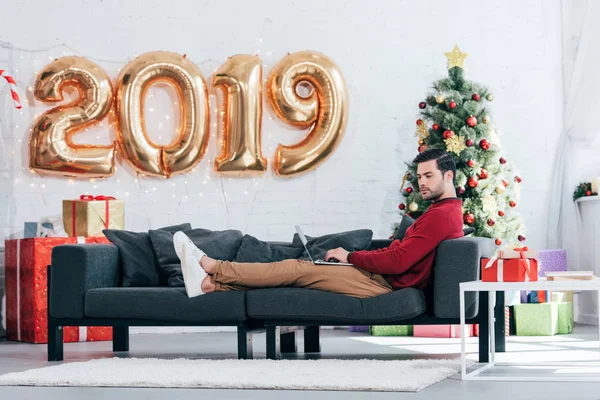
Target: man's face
point(431, 180)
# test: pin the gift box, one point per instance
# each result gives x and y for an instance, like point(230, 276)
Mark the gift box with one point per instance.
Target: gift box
point(518, 265)
point(562, 297)
point(441, 331)
point(27, 291)
point(539, 296)
point(543, 319)
point(359, 328)
point(89, 215)
point(391, 330)
point(552, 261)
point(509, 322)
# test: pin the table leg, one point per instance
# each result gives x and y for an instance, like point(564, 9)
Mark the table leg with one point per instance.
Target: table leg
point(491, 319)
point(463, 361)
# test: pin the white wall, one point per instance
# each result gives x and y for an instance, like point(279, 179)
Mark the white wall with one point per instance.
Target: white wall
point(389, 52)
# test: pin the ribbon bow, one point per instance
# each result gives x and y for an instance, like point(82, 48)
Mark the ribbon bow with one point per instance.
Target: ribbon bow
point(89, 197)
point(524, 260)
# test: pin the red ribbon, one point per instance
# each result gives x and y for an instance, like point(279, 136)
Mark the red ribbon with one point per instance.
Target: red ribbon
point(89, 197)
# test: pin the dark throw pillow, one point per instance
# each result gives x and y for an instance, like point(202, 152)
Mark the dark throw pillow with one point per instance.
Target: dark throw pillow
point(220, 245)
point(356, 240)
point(139, 266)
point(255, 250)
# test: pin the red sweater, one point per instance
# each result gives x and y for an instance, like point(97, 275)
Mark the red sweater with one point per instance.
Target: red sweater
point(409, 262)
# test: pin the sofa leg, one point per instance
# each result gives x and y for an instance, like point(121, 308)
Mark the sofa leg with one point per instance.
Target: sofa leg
point(311, 339)
point(499, 326)
point(120, 338)
point(273, 343)
point(288, 342)
point(484, 331)
point(55, 342)
point(244, 343)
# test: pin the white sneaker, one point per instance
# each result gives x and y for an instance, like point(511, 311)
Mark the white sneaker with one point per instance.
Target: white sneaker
point(190, 256)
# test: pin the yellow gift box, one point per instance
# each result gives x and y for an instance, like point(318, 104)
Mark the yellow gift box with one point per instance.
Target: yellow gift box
point(89, 215)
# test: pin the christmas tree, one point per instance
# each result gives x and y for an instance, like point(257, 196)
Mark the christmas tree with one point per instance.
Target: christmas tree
point(456, 117)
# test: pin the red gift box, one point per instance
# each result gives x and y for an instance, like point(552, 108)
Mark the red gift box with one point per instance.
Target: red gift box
point(518, 265)
point(442, 331)
point(27, 291)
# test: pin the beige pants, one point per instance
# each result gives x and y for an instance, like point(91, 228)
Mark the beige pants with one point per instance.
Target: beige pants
point(342, 279)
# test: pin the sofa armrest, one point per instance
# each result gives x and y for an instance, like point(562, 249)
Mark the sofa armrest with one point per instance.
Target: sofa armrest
point(75, 269)
point(456, 261)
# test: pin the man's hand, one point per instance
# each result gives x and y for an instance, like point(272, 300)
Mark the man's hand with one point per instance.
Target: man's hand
point(338, 253)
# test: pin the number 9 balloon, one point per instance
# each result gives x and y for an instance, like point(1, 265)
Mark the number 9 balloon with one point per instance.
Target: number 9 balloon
point(324, 110)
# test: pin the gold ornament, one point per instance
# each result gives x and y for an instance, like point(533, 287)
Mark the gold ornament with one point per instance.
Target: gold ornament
point(456, 58)
point(413, 207)
point(240, 78)
point(455, 144)
point(500, 189)
point(421, 142)
point(324, 112)
point(440, 98)
point(489, 97)
point(485, 119)
point(51, 147)
point(489, 204)
point(422, 132)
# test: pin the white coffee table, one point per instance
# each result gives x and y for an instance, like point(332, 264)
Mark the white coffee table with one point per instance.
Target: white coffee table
point(492, 288)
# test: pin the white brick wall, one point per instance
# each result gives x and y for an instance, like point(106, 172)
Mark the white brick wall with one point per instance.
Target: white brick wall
point(389, 52)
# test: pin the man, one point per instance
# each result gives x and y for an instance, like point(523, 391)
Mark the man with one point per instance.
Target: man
point(406, 263)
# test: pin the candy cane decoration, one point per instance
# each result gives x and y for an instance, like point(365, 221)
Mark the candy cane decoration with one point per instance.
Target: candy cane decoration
point(13, 87)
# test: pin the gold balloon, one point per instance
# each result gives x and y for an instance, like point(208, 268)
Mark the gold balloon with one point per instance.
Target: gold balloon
point(324, 110)
point(51, 148)
point(240, 78)
point(189, 145)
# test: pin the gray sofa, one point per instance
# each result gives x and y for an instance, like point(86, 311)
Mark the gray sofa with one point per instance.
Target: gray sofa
point(83, 290)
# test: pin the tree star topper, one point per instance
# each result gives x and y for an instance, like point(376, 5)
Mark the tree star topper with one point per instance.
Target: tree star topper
point(456, 58)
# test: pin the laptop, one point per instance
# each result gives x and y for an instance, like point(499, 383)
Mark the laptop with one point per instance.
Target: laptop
point(316, 262)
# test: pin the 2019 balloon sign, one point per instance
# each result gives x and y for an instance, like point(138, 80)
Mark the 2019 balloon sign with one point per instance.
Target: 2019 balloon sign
point(323, 112)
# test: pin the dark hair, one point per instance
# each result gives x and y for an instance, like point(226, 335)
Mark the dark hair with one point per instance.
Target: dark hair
point(444, 161)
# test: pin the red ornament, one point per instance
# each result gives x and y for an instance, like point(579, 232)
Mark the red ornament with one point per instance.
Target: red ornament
point(476, 97)
point(502, 160)
point(409, 190)
point(391, 237)
point(471, 163)
point(448, 134)
point(469, 142)
point(422, 105)
point(471, 121)
point(483, 174)
point(521, 238)
point(512, 204)
point(422, 148)
point(498, 242)
point(435, 127)
point(469, 218)
point(419, 122)
point(588, 193)
point(472, 182)
point(501, 213)
point(461, 190)
point(484, 144)
point(518, 179)
point(505, 183)
point(401, 206)
point(452, 105)
point(491, 222)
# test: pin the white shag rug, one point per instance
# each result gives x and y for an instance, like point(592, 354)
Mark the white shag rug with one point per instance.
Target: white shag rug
point(360, 375)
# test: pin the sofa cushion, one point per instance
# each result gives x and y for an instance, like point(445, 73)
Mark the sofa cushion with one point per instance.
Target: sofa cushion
point(220, 245)
point(166, 304)
point(255, 250)
point(407, 221)
point(139, 266)
point(356, 240)
point(295, 304)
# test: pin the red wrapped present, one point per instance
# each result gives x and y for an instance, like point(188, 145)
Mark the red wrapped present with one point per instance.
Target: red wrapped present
point(441, 331)
point(518, 265)
point(27, 290)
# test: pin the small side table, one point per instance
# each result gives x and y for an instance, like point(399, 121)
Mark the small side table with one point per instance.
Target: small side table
point(492, 288)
